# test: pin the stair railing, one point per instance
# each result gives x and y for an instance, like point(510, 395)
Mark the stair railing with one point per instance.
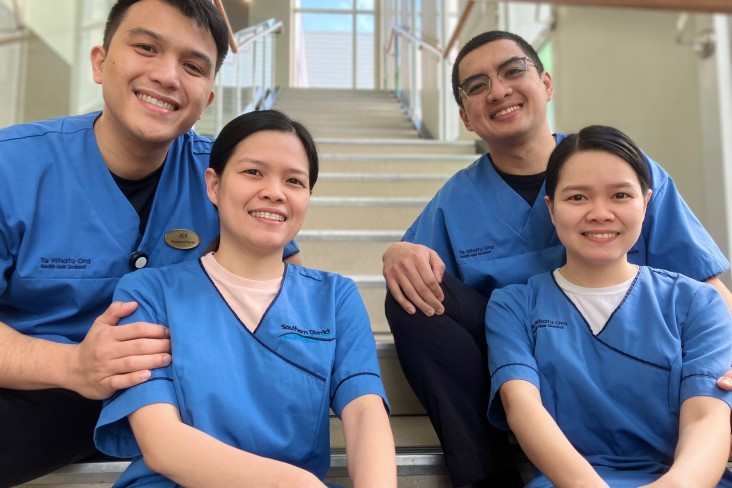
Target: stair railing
point(246, 80)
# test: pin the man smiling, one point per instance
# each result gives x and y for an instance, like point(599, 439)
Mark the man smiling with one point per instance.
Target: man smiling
point(85, 200)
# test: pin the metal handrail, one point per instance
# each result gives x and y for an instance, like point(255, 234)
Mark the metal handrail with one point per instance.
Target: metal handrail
point(220, 6)
point(19, 25)
point(246, 79)
point(244, 37)
point(397, 29)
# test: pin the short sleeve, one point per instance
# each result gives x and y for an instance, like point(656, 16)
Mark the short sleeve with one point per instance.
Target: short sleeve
point(706, 346)
point(429, 230)
point(674, 238)
point(355, 369)
point(510, 346)
point(113, 434)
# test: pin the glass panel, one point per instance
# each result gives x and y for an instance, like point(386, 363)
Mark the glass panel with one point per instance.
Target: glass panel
point(324, 50)
point(365, 4)
point(11, 59)
point(7, 19)
point(95, 11)
point(365, 51)
point(325, 4)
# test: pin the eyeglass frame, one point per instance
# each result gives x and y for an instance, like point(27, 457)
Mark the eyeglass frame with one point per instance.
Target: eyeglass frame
point(526, 60)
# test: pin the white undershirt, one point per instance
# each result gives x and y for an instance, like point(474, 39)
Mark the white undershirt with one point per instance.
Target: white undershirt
point(595, 304)
point(249, 299)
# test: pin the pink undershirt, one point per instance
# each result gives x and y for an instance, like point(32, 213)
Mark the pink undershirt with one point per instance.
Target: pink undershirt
point(248, 299)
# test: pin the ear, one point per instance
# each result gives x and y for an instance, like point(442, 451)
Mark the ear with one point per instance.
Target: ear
point(464, 118)
point(550, 206)
point(211, 97)
point(647, 198)
point(548, 83)
point(212, 185)
point(97, 63)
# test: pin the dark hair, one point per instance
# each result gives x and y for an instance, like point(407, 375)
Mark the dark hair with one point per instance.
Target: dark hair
point(202, 11)
point(597, 138)
point(250, 123)
point(485, 38)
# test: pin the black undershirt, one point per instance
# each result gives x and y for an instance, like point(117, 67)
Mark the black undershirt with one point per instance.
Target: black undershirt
point(140, 193)
point(527, 186)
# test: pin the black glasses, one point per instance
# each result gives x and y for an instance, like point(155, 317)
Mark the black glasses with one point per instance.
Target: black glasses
point(509, 73)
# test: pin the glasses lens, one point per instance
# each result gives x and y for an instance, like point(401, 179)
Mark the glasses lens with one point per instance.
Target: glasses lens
point(514, 69)
point(476, 85)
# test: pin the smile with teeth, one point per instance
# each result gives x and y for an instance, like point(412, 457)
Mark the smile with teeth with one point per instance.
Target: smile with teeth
point(155, 101)
point(267, 216)
point(506, 111)
point(604, 235)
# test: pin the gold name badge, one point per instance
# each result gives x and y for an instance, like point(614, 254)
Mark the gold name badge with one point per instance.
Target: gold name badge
point(182, 239)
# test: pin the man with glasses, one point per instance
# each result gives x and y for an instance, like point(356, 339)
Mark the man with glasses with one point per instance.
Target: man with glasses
point(488, 227)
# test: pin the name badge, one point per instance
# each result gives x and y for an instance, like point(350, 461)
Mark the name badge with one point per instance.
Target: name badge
point(182, 239)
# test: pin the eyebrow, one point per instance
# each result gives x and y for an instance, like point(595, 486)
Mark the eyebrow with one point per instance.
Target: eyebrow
point(259, 162)
point(143, 32)
point(478, 75)
point(616, 186)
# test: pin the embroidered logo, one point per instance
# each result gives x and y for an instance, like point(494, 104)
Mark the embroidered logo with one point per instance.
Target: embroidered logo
point(475, 251)
point(294, 333)
point(546, 324)
point(65, 263)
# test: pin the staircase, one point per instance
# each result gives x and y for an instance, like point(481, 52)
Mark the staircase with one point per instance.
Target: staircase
point(376, 175)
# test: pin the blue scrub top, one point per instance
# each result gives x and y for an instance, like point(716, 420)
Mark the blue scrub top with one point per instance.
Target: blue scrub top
point(267, 392)
point(615, 395)
point(503, 240)
point(67, 232)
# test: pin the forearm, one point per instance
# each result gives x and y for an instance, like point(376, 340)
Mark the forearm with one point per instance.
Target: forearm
point(369, 443)
point(28, 363)
point(703, 446)
point(193, 459)
point(542, 440)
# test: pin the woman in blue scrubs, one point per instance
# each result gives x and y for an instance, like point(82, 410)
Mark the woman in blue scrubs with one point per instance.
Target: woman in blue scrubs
point(262, 349)
point(604, 370)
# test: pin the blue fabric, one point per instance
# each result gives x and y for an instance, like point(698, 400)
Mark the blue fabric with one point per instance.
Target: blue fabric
point(616, 395)
point(490, 237)
point(267, 392)
point(67, 231)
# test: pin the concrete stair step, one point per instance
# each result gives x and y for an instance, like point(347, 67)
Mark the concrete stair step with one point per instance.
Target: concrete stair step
point(363, 213)
point(350, 122)
point(417, 456)
point(367, 133)
point(344, 256)
point(339, 108)
point(311, 118)
point(289, 94)
point(379, 184)
point(373, 292)
point(401, 397)
point(346, 253)
point(401, 164)
point(390, 146)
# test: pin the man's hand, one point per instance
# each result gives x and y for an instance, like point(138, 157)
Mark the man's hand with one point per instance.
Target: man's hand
point(725, 382)
point(413, 274)
point(113, 357)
